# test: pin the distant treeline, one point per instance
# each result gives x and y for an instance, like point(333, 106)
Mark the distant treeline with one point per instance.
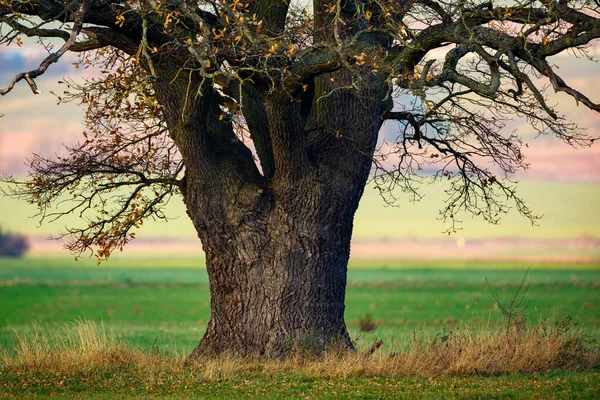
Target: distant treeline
point(12, 245)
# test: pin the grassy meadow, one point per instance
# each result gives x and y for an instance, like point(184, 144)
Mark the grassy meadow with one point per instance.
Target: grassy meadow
point(154, 311)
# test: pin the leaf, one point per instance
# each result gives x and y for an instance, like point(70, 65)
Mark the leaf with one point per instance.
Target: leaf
point(545, 40)
point(120, 20)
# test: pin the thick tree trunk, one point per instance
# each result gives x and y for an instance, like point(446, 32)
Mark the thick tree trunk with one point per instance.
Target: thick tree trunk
point(278, 272)
point(277, 245)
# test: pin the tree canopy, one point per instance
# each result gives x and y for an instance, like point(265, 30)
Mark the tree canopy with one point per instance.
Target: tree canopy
point(454, 73)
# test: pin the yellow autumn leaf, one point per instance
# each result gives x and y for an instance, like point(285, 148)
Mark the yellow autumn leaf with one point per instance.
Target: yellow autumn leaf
point(545, 40)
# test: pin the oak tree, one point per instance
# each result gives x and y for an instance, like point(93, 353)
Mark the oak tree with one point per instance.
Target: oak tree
point(265, 117)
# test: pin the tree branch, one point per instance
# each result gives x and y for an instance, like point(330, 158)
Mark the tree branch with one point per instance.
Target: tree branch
point(54, 57)
point(559, 85)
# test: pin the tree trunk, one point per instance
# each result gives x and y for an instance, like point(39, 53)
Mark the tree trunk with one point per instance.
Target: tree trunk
point(277, 273)
point(277, 247)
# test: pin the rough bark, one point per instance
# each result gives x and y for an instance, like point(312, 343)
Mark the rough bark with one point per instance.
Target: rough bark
point(277, 267)
point(277, 248)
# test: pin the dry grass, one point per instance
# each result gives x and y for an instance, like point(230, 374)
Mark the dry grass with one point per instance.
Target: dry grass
point(77, 347)
point(85, 348)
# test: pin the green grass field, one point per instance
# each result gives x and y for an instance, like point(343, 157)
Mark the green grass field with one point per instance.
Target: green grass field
point(145, 301)
point(164, 305)
point(119, 385)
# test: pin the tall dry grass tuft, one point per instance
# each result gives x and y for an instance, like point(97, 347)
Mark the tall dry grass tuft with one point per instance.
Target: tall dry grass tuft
point(518, 349)
point(79, 346)
point(526, 349)
point(86, 349)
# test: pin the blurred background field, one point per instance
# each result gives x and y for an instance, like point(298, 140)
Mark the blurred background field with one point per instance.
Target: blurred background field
point(163, 303)
point(569, 230)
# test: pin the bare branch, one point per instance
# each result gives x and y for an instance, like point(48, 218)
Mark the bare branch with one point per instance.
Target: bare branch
point(54, 57)
point(559, 85)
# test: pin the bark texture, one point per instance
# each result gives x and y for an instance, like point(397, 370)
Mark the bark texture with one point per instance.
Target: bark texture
point(277, 244)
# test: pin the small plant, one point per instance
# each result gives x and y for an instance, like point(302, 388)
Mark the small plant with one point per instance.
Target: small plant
point(310, 346)
point(367, 324)
point(514, 311)
point(12, 245)
point(442, 337)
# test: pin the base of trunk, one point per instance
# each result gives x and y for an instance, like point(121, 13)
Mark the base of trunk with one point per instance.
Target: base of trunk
point(278, 346)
